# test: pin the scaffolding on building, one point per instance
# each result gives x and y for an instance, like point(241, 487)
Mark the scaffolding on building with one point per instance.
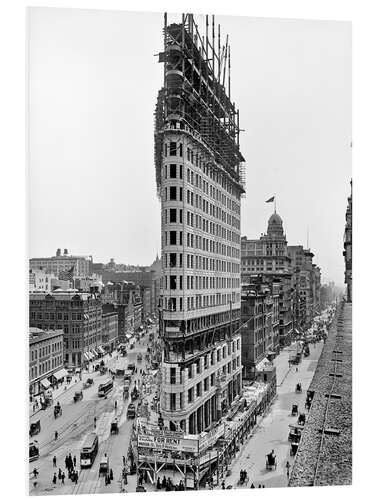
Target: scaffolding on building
point(198, 459)
point(196, 96)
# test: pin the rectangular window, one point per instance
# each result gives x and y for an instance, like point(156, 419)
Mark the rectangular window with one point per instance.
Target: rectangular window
point(173, 375)
point(206, 384)
point(173, 237)
point(190, 395)
point(173, 401)
point(173, 282)
point(172, 193)
point(172, 260)
point(173, 149)
point(199, 389)
point(172, 215)
point(172, 171)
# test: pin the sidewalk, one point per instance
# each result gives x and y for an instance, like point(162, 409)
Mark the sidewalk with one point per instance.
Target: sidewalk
point(64, 387)
point(272, 430)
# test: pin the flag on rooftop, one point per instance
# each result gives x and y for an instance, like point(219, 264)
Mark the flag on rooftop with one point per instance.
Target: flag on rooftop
point(67, 274)
point(270, 200)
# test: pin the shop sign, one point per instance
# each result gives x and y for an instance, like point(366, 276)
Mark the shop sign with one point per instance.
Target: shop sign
point(160, 442)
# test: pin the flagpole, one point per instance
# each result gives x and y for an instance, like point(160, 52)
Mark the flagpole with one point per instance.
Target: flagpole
point(274, 202)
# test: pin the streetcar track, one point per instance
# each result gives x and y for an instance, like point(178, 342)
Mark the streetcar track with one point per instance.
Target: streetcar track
point(93, 485)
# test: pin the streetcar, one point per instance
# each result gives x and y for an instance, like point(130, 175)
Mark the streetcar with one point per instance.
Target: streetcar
point(105, 388)
point(89, 450)
point(33, 451)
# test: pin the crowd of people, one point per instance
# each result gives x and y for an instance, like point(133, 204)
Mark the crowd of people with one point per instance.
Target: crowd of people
point(168, 485)
point(70, 467)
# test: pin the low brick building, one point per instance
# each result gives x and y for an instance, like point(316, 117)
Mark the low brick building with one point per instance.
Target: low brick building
point(45, 358)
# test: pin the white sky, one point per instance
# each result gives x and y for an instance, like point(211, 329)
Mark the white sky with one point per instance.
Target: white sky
point(92, 91)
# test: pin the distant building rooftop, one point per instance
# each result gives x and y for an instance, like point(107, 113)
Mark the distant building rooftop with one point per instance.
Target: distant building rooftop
point(37, 334)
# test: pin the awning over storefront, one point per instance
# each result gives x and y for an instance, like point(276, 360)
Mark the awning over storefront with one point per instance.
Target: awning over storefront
point(102, 351)
point(45, 383)
point(95, 352)
point(60, 374)
point(297, 331)
point(128, 336)
point(87, 356)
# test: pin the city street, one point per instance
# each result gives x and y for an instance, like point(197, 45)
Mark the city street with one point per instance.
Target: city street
point(272, 430)
point(77, 421)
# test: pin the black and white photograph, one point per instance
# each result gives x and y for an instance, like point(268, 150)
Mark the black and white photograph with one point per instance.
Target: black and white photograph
point(189, 182)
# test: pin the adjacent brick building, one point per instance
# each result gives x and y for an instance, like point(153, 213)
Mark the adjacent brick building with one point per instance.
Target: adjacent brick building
point(45, 358)
point(79, 315)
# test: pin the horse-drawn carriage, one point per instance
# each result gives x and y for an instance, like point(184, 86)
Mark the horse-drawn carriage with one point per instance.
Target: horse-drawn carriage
point(104, 465)
point(88, 383)
point(78, 395)
point(295, 433)
point(103, 370)
point(46, 402)
point(57, 411)
point(130, 413)
point(34, 428)
point(244, 478)
point(294, 410)
point(299, 387)
point(293, 449)
point(271, 461)
point(134, 394)
point(114, 426)
point(125, 392)
point(301, 419)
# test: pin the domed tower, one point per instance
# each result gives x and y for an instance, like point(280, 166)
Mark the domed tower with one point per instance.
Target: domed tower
point(275, 226)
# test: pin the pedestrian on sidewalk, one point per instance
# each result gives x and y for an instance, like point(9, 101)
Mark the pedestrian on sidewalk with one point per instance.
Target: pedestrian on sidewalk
point(63, 478)
point(54, 460)
point(287, 465)
point(54, 479)
point(56, 435)
point(123, 460)
point(66, 462)
point(74, 460)
point(35, 472)
point(59, 474)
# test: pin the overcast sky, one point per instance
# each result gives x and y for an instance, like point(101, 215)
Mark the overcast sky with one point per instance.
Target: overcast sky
point(93, 82)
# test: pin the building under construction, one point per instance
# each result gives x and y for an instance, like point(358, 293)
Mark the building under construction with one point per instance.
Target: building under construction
point(200, 181)
point(199, 175)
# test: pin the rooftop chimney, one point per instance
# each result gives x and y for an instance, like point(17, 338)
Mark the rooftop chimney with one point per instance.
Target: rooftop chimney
point(65, 251)
point(58, 253)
